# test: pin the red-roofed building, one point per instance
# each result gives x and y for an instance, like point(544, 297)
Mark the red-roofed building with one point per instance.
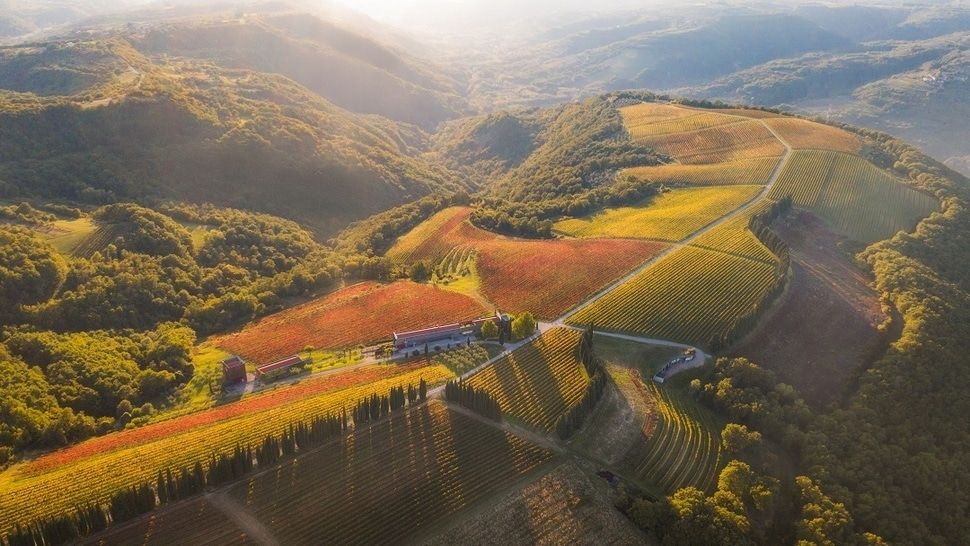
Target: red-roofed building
point(280, 365)
point(233, 370)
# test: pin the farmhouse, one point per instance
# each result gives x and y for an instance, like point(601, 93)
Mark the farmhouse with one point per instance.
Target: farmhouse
point(280, 366)
point(414, 338)
point(233, 370)
point(449, 332)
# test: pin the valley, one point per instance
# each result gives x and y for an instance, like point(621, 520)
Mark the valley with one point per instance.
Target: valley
point(276, 275)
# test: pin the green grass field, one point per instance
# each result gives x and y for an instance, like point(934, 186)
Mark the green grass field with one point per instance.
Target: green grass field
point(855, 197)
point(671, 216)
point(67, 235)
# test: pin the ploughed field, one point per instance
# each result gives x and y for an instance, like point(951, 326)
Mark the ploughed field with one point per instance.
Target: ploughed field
point(361, 314)
point(546, 277)
point(94, 470)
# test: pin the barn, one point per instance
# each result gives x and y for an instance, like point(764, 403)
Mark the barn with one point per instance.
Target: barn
point(233, 370)
point(280, 366)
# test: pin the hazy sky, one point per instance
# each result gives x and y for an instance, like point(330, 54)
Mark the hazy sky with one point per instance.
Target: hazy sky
point(441, 14)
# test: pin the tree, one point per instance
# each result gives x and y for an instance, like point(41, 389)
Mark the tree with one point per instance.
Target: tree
point(489, 330)
point(523, 325)
point(738, 441)
point(420, 271)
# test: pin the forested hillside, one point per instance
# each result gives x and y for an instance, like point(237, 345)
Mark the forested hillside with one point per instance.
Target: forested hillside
point(348, 69)
point(191, 130)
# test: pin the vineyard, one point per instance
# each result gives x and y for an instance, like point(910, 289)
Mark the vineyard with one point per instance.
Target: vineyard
point(26, 495)
point(741, 140)
point(194, 522)
point(807, 135)
point(539, 382)
point(562, 507)
point(691, 296)
point(684, 447)
point(96, 241)
point(855, 197)
point(356, 315)
point(756, 170)
point(437, 236)
point(672, 216)
point(434, 463)
point(544, 277)
point(650, 120)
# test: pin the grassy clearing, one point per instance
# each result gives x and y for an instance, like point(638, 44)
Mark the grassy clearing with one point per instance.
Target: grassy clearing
point(671, 216)
point(855, 197)
point(67, 235)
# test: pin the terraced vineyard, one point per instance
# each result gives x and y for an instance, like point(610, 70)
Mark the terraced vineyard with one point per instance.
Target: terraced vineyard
point(685, 447)
point(854, 196)
point(671, 216)
point(539, 382)
point(26, 496)
point(96, 241)
point(435, 463)
point(734, 237)
point(743, 171)
point(691, 296)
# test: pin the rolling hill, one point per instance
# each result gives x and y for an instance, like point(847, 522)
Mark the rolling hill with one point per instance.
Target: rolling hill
point(193, 131)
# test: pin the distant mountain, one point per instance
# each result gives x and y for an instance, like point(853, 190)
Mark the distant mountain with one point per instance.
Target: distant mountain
point(349, 69)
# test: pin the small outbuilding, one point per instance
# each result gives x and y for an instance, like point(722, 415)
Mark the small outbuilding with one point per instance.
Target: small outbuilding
point(233, 370)
point(280, 366)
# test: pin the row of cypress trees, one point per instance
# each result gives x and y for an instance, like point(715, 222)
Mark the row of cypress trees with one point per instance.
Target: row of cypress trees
point(477, 400)
point(573, 420)
point(760, 226)
point(374, 408)
point(170, 486)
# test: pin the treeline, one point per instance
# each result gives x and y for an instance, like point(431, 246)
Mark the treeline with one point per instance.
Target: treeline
point(377, 407)
point(760, 225)
point(573, 420)
point(477, 400)
point(221, 468)
point(563, 161)
point(535, 218)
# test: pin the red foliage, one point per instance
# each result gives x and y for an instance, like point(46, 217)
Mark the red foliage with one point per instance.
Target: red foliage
point(359, 314)
point(278, 397)
point(545, 277)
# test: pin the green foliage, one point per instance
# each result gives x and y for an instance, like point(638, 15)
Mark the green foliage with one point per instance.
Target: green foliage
point(30, 272)
point(523, 325)
point(93, 372)
point(144, 231)
point(489, 330)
